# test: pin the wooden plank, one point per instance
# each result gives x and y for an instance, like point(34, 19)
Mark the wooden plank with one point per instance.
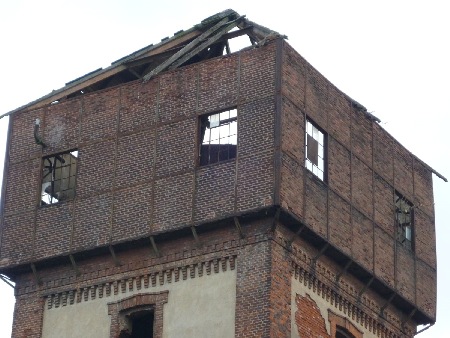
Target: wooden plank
point(108, 72)
point(209, 42)
point(185, 49)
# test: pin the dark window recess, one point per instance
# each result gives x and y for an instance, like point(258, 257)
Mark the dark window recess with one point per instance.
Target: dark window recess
point(58, 177)
point(343, 333)
point(404, 220)
point(315, 149)
point(218, 137)
point(139, 324)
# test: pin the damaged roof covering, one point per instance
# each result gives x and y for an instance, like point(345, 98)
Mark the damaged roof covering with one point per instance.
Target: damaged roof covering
point(205, 40)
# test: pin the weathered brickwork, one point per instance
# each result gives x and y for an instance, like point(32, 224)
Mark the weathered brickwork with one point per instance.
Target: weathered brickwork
point(47, 239)
point(135, 159)
point(99, 115)
point(132, 212)
point(354, 207)
point(316, 204)
point(141, 192)
point(140, 268)
point(22, 144)
point(137, 146)
point(341, 226)
point(310, 322)
point(92, 222)
point(138, 106)
point(327, 297)
point(385, 256)
point(62, 128)
point(425, 244)
point(215, 195)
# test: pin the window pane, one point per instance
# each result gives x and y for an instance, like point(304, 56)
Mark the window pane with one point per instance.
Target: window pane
point(214, 120)
point(206, 138)
point(233, 128)
point(224, 115)
point(214, 135)
point(233, 139)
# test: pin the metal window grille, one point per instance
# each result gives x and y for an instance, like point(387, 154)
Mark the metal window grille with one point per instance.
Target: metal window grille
point(58, 177)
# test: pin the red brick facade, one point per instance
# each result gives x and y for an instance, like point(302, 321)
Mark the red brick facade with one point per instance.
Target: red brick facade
point(262, 213)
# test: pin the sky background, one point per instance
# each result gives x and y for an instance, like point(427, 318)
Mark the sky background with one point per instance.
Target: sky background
point(391, 56)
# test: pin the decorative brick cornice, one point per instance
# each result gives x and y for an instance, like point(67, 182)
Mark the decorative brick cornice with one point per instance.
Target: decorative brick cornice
point(173, 273)
point(344, 301)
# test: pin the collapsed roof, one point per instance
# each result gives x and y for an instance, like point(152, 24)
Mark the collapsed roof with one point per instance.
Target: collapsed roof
point(210, 38)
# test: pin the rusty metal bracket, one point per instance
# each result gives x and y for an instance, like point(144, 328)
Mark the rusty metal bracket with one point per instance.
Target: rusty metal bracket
point(364, 289)
point(299, 231)
point(276, 217)
point(408, 318)
point(194, 233)
point(238, 227)
point(35, 274)
point(391, 298)
point(320, 253)
point(343, 271)
point(113, 254)
point(74, 265)
point(154, 247)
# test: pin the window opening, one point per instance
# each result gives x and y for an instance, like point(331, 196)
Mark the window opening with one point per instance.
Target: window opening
point(404, 220)
point(315, 150)
point(139, 324)
point(343, 333)
point(218, 137)
point(58, 177)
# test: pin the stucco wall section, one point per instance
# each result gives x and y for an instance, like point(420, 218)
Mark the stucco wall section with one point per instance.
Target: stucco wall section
point(196, 307)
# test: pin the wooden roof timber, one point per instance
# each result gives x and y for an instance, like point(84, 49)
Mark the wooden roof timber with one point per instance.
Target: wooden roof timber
point(217, 30)
point(213, 39)
point(195, 46)
point(217, 25)
point(102, 74)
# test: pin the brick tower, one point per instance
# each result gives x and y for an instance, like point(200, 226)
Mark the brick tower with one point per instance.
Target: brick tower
point(191, 190)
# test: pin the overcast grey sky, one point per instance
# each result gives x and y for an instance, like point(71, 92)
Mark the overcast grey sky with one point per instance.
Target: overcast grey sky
point(391, 56)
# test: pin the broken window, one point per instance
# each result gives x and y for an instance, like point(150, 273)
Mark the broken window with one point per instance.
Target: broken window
point(315, 150)
point(218, 137)
point(58, 177)
point(404, 220)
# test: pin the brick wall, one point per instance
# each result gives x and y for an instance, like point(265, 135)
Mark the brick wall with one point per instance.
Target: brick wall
point(353, 208)
point(137, 164)
point(180, 258)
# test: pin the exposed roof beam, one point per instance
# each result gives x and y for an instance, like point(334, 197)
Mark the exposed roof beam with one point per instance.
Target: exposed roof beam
point(204, 45)
point(101, 75)
point(186, 49)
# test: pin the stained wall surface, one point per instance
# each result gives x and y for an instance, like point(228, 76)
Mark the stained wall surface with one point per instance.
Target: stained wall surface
point(196, 307)
point(353, 207)
point(138, 171)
